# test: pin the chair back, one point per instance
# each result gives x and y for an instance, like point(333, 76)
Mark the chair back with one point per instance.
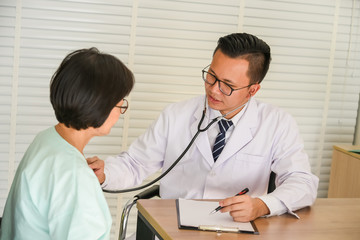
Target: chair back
point(272, 185)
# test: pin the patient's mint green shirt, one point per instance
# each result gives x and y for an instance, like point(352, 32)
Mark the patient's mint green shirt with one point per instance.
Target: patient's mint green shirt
point(55, 195)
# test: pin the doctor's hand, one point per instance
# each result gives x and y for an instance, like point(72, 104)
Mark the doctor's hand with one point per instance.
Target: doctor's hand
point(97, 165)
point(244, 208)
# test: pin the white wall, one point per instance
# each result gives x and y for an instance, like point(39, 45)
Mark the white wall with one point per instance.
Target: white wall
point(314, 74)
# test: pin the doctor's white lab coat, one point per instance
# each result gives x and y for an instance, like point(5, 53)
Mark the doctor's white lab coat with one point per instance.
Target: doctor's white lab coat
point(265, 139)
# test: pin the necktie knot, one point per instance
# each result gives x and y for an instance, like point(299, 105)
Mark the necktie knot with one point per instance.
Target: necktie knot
point(224, 125)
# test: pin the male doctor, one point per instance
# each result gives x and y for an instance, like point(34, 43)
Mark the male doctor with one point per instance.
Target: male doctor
point(240, 151)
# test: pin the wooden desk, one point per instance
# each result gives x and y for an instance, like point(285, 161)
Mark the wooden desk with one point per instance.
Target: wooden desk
point(328, 218)
point(344, 175)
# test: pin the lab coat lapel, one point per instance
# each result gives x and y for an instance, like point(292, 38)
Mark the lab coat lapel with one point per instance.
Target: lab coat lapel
point(241, 135)
point(202, 141)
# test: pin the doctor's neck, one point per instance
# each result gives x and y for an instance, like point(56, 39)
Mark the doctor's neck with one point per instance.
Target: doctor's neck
point(232, 113)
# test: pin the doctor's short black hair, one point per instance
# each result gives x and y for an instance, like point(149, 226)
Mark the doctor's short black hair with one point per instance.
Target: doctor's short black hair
point(87, 86)
point(250, 48)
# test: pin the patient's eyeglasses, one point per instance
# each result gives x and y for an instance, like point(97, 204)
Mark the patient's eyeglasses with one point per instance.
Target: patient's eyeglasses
point(124, 106)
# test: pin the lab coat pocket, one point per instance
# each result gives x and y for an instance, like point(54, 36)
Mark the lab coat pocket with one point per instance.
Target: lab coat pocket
point(250, 171)
point(250, 158)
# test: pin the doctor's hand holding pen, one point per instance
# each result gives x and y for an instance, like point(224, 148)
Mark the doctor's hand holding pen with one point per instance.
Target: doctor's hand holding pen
point(243, 208)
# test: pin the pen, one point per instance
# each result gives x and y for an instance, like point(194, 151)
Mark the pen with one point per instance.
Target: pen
point(240, 193)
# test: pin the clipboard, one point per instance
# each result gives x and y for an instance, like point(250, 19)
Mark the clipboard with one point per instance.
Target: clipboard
point(195, 215)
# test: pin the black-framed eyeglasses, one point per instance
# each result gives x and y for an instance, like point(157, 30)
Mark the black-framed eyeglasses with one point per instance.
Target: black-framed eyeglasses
point(124, 106)
point(211, 79)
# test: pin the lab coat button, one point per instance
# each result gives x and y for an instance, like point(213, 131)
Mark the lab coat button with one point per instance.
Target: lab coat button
point(212, 174)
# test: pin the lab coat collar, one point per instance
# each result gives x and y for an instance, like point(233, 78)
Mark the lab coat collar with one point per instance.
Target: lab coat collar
point(242, 133)
point(202, 141)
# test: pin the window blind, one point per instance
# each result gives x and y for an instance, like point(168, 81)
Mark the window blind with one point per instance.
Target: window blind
point(7, 37)
point(314, 73)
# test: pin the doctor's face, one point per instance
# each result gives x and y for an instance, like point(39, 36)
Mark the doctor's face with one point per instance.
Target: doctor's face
point(232, 71)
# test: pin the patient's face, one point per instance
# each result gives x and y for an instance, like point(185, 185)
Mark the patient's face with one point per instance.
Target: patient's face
point(110, 121)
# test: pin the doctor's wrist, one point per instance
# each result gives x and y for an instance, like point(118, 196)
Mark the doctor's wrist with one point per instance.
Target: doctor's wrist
point(262, 208)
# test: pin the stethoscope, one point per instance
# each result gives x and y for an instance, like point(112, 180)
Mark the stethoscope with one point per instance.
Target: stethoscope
point(199, 130)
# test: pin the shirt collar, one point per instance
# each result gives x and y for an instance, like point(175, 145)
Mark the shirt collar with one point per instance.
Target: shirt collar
point(235, 119)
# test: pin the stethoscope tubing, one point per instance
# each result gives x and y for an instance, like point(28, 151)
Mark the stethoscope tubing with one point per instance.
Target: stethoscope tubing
point(199, 130)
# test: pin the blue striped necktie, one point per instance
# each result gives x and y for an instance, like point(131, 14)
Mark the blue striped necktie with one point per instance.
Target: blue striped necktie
point(224, 125)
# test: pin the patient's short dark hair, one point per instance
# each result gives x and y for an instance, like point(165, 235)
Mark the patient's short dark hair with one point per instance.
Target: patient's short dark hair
point(87, 86)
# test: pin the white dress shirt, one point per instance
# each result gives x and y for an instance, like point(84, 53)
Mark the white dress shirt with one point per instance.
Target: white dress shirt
point(214, 130)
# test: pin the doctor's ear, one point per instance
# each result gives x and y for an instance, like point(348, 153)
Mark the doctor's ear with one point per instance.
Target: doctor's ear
point(253, 89)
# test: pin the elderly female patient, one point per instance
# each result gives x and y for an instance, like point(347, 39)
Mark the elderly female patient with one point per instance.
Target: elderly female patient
point(55, 195)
